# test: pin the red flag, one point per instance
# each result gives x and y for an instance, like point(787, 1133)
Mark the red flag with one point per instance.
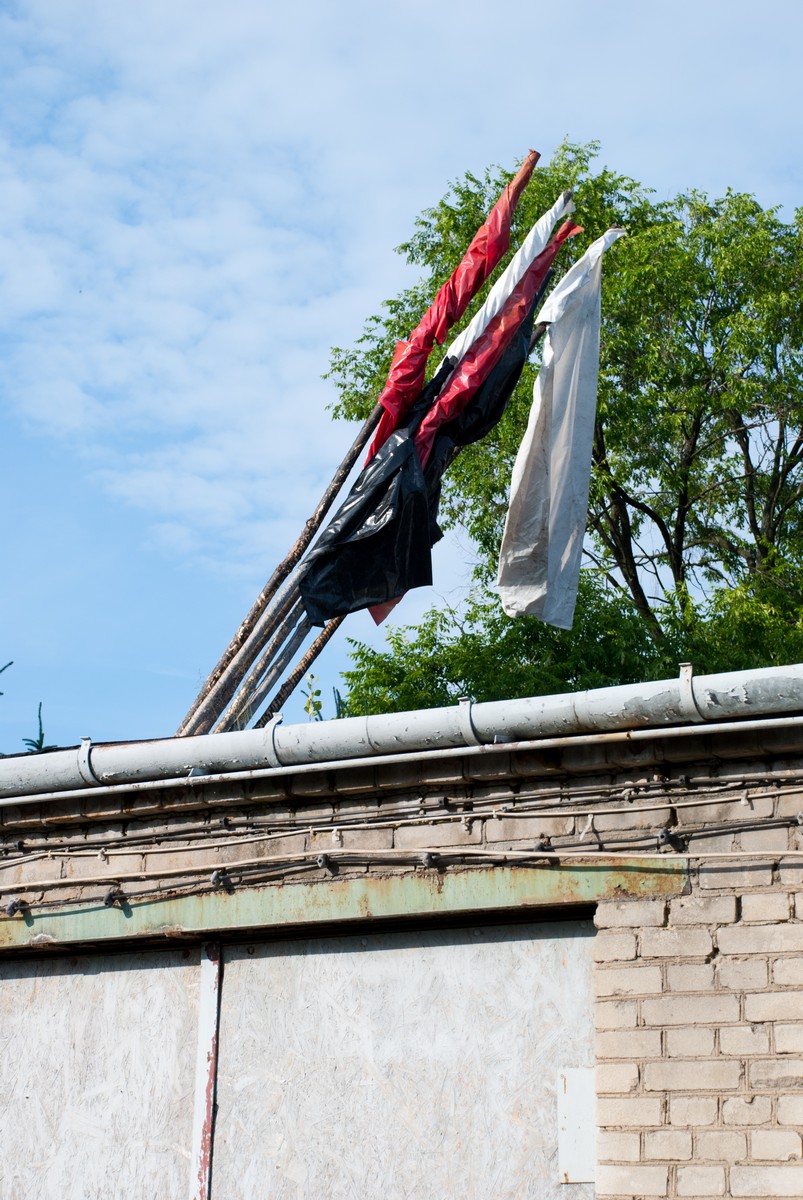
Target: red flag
point(490, 243)
point(489, 347)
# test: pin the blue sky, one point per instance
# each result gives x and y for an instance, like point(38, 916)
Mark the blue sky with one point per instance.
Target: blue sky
point(196, 201)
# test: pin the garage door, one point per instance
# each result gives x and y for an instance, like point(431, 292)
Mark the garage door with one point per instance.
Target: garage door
point(398, 1065)
point(428, 1064)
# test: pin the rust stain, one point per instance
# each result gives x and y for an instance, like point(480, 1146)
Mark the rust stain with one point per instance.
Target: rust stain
point(207, 1133)
point(206, 1139)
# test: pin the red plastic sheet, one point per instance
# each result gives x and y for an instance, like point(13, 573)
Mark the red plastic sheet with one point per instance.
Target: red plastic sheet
point(489, 346)
point(490, 243)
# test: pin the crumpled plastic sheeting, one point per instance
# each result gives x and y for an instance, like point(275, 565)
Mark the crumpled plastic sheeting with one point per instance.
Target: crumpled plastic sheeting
point(373, 549)
point(379, 544)
point(533, 245)
point(542, 545)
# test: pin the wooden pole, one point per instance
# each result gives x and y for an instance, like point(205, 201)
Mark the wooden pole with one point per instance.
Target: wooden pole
point(272, 631)
point(280, 574)
point(299, 671)
point(258, 684)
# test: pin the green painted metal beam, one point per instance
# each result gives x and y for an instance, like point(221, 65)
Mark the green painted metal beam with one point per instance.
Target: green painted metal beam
point(486, 891)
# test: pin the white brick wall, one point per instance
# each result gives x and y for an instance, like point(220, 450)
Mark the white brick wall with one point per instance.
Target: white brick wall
point(700, 1063)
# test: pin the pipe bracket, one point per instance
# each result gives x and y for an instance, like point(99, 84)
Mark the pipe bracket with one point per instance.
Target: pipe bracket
point(466, 724)
point(271, 753)
point(582, 712)
point(85, 763)
point(375, 746)
point(688, 703)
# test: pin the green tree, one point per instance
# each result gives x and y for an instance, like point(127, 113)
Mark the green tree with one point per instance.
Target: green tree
point(695, 542)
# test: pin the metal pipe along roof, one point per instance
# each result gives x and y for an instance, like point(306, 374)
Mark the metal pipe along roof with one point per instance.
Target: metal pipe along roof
point(682, 700)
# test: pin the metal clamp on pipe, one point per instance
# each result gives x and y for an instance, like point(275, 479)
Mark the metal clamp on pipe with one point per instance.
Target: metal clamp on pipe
point(688, 703)
point(369, 741)
point(467, 729)
point(271, 753)
point(84, 763)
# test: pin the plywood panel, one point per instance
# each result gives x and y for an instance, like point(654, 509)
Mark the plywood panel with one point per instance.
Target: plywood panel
point(408, 1065)
point(97, 1065)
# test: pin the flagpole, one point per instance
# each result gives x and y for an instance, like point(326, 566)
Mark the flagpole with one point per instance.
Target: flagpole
point(218, 683)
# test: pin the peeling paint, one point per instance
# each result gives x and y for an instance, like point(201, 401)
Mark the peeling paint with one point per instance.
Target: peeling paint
point(42, 939)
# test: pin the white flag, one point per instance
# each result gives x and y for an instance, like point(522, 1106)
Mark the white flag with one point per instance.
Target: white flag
point(539, 563)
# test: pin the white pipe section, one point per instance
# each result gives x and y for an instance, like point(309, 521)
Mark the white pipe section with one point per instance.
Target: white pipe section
point(537, 745)
point(732, 695)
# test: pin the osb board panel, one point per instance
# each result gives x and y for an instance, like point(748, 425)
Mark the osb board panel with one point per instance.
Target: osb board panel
point(97, 1063)
point(418, 1064)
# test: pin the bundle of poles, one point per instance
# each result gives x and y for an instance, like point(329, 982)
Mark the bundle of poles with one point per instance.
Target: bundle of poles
point(250, 669)
point(244, 689)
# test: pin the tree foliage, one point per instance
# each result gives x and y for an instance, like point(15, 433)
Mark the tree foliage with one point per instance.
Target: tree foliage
point(695, 542)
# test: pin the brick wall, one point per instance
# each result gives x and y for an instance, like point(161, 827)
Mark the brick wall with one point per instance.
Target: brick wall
point(700, 1039)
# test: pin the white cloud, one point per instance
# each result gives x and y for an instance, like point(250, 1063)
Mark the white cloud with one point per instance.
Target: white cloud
point(197, 200)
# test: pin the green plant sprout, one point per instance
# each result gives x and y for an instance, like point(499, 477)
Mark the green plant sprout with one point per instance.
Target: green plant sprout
point(37, 745)
point(314, 705)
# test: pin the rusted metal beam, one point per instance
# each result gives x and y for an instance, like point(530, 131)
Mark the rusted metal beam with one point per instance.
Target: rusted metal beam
point(489, 891)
